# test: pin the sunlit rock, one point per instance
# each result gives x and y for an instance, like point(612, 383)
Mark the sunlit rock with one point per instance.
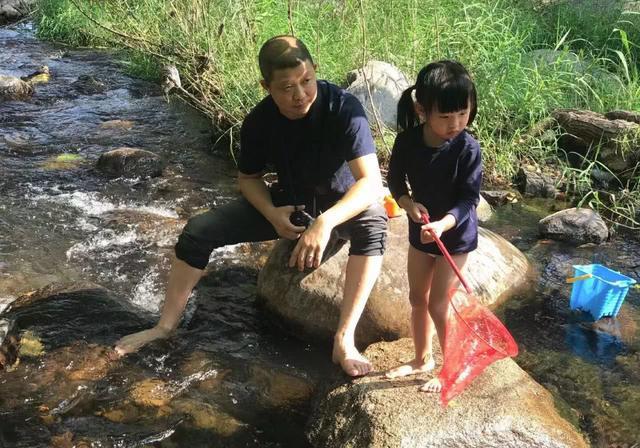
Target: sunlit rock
point(124, 125)
point(130, 162)
point(206, 416)
point(574, 225)
point(14, 89)
point(63, 162)
point(484, 210)
point(503, 407)
point(201, 364)
point(30, 345)
point(89, 85)
point(280, 389)
point(127, 413)
point(309, 302)
point(378, 86)
point(151, 392)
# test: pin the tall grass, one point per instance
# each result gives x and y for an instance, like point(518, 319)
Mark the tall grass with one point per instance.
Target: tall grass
point(214, 44)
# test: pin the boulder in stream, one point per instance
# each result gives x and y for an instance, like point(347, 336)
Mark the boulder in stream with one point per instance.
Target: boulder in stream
point(14, 89)
point(574, 225)
point(503, 407)
point(12, 10)
point(309, 301)
point(130, 162)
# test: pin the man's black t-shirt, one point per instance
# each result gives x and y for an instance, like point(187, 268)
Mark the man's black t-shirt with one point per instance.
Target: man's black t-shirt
point(310, 155)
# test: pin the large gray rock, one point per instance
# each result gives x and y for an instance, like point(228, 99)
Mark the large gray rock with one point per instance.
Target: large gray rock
point(574, 225)
point(130, 162)
point(503, 407)
point(532, 181)
point(14, 89)
point(12, 10)
point(310, 301)
point(386, 83)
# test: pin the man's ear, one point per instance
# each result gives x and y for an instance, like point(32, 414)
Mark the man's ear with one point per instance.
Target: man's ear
point(264, 85)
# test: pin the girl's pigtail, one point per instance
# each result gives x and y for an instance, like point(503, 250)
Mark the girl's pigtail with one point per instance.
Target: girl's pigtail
point(406, 112)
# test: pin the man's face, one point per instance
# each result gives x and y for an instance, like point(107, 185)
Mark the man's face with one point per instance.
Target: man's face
point(293, 89)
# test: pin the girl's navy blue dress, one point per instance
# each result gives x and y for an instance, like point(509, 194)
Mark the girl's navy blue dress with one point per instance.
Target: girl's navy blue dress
point(446, 180)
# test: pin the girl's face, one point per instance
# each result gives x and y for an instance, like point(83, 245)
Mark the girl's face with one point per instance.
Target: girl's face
point(441, 126)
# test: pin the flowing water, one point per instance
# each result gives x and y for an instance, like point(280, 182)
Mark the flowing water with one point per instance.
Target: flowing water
point(593, 369)
point(230, 378)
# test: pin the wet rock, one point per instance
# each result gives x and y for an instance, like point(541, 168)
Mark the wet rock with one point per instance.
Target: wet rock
point(574, 225)
point(206, 416)
point(8, 344)
point(12, 10)
point(14, 89)
point(151, 392)
point(532, 181)
point(386, 83)
point(309, 301)
point(125, 125)
point(497, 198)
point(503, 407)
point(88, 85)
point(130, 162)
point(51, 291)
point(202, 365)
point(63, 162)
point(40, 76)
point(484, 210)
point(279, 389)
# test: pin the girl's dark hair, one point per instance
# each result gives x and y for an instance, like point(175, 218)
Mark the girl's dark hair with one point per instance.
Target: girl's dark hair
point(445, 84)
point(281, 52)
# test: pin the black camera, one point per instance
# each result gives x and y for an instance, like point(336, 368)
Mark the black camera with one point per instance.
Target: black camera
point(301, 218)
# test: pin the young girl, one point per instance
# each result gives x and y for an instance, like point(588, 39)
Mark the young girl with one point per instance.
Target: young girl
point(442, 165)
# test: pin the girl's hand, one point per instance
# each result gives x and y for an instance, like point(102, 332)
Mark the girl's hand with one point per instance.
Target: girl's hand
point(311, 244)
point(279, 219)
point(415, 211)
point(437, 227)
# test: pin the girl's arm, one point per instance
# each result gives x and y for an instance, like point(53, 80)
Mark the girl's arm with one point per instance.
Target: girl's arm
point(397, 174)
point(468, 182)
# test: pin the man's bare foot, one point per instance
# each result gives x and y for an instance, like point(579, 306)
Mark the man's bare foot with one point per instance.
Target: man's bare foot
point(432, 386)
point(350, 359)
point(413, 367)
point(133, 342)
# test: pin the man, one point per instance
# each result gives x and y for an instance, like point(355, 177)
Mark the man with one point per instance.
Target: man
point(317, 137)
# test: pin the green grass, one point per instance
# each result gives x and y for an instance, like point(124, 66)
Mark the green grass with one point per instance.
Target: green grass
point(214, 44)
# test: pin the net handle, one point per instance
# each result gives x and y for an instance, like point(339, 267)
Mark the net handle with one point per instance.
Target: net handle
point(447, 255)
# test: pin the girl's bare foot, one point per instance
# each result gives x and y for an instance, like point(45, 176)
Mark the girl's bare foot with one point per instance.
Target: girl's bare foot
point(413, 367)
point(432, 386)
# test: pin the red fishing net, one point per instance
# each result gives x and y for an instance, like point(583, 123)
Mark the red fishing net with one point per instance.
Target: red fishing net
point(475, 338)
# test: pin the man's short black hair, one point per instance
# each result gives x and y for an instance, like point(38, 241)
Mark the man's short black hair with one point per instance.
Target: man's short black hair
point(281, 52)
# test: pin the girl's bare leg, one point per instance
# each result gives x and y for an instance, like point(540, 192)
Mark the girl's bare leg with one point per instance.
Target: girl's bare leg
point(443, 280)
point(420, 268)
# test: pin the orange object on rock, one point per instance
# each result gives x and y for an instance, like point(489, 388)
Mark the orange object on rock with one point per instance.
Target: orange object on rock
point(392, 207)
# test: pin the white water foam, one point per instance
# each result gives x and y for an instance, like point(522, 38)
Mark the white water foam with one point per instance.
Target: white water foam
point(148, 293)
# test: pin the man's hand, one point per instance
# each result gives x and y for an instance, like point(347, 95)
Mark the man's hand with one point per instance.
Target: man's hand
point(310, 247)
point(279, 219)
point(413, 209)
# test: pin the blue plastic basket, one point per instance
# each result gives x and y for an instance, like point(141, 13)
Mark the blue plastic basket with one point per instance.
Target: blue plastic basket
point(598, 290)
